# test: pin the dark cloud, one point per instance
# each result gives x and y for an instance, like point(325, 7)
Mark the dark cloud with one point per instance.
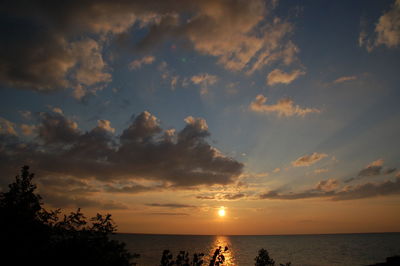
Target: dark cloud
point(205, 197)
point(371, 171)
point(233, 196)
point(65, 200)
point(144, 150)
point(389, 171)
point(170, 205)
point(367, 190)
point(228, 196)
point(132, 189)
point(55, 128)
point(168, 213)
point(66, 191)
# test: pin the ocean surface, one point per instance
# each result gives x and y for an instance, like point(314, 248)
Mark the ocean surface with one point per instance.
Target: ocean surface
point(335, 249)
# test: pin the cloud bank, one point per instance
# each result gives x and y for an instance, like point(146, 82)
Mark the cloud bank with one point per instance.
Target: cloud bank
point(326, 190)
point(144, 151)
point(48, 45)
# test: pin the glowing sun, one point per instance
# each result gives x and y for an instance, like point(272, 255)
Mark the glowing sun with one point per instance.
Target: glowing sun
point(221, 212)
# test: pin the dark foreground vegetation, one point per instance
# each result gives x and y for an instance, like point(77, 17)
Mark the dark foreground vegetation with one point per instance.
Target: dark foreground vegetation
point(32, 235)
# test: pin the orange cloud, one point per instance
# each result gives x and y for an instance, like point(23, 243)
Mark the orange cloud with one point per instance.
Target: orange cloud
point(278, 76)
point(344, 79)
point(308, 160)
point(284, 107)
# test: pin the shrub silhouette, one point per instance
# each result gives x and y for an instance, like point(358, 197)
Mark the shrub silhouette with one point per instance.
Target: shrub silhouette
point(263, 259)
point(32, 235)
point(182, 259)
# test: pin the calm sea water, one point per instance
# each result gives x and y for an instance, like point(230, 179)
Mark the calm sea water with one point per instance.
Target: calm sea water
point(339, 249)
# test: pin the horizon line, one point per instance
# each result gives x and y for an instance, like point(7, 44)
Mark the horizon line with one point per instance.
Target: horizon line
point(356, 233)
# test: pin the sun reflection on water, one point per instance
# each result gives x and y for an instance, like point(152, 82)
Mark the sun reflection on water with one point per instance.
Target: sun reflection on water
point(223, 241)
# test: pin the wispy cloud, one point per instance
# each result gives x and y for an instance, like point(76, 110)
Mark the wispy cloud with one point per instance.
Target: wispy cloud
point(170, 205)
point(284, 107)
point(308, 160)
point(138, 63)
point(344, 79)
point(204, 80)
point(277, 76)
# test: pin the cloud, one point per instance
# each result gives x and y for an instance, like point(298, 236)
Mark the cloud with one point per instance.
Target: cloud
point(55, 128)
point(222, 196)
point(372, 169)
point(321, 170)
point(234, 196)
point(137, 64)
point(278, 76)
point(276, 170)
point(327, 185)
point(7, 127)
point(181, 158)
point(56, 110)
point(367, 190)
point(389, 171)
point(344, 79)
point(204, 80)
point(170, 205)
point(45, 46)
point(45, 61)
point(64, 200)
point(66, 191)
point(132, 189)
point(169, 213)
point(388, 27)
point(28, 130)
point(284, 107)
point(205, 197)
point(26, 114)
point(308, 160)
point(387, 30)
point(105, 125)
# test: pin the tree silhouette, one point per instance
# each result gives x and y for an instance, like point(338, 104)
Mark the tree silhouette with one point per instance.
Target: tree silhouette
point(32, 235)
point(263, 259)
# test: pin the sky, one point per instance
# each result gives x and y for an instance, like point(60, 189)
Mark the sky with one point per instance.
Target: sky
point(161, 112)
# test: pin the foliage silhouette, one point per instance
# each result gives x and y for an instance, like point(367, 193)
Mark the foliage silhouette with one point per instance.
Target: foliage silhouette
point(263, 259)
point(32, 235)
point(218, 257)
point(182, 259)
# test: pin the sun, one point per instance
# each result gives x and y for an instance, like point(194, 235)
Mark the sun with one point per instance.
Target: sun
point(221, 211)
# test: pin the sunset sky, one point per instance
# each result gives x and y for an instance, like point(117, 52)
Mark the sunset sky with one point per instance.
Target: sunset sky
point(285, 112)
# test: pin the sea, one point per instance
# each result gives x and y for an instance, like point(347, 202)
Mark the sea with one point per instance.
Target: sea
point(300, 250)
